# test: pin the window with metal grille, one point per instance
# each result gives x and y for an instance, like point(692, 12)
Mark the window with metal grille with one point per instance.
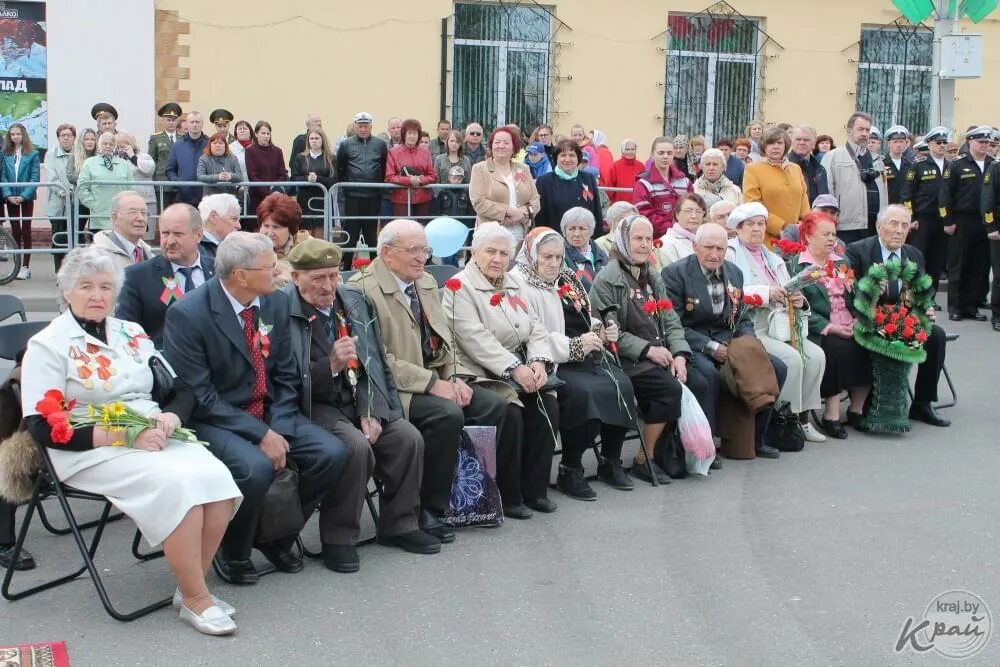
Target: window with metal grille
point(712, 80)
point(501, 70)
point(894, 75)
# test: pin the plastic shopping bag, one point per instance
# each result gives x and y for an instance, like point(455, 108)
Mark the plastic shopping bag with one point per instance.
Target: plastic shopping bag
point(696, 434)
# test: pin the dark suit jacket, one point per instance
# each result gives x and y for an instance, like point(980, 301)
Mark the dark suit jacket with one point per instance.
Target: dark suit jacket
point(203, 340)
point(862, 254)
point(687, 287)
point(142, 292)
point(208, 249)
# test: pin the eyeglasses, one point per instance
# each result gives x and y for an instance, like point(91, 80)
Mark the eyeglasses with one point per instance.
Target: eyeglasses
point(415, 250)
point(691, 211)
point(136, 211)
point(475, 134)
point(260, 268)
point(939, 142)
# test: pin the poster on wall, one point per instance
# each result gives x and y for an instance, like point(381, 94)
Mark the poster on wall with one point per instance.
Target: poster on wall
point(23, 69)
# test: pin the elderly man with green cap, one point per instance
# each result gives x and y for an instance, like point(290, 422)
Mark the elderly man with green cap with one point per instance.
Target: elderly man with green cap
point(347, 388)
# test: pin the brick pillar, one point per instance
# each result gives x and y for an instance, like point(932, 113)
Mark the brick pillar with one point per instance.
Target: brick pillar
point(170, 76)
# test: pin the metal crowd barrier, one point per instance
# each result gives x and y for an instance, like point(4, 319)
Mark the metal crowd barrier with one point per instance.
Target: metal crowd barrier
point(40, 206)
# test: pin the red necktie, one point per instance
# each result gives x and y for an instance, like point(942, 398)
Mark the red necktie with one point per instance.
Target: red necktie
point(256, 405)
point(136, 255)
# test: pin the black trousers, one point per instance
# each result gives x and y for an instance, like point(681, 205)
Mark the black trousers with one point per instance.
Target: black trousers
point(355, 207)
point(7, 523)
point(995, 285)
point(968, 264)
point(321, 458)
point(929, 238)
point(925, 389)
point(576, 441)
point(440, 421)
point(524, 453)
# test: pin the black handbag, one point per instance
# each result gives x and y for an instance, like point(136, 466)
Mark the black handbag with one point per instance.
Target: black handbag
point(281, 514)
point(163, 381)
point(669, 453)
point(784, 432)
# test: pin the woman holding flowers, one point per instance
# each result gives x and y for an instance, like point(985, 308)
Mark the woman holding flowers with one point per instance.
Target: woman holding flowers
point(504, 346)
point(831, 324)
point(651, 345)
point(765, 275)
point(87, 395)
point(597, 397)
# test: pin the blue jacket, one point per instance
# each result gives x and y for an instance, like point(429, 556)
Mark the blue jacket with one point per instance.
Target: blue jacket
point(29, 172)
point(182, 165)
point(734, 170)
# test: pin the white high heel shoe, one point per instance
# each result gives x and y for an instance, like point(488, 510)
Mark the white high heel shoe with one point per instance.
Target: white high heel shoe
point(212, 621)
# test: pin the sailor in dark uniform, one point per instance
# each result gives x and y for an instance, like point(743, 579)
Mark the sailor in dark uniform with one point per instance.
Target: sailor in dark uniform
point(991, 220)
point(920, 192)
point(896, 137)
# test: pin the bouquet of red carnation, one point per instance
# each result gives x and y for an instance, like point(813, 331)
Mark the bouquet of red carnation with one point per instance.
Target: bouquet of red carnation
point(787, 247)
point(894, 322)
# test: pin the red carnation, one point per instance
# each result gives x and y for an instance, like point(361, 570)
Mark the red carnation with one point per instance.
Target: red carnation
point(649, 308)
point(880, 318)
point(360, 263)
point(907, 333)
point(564, 289)
point(758, 300)
point(48, 406)
point(658, 243)
point(496, 299)
point(789, 247)
point(909, 321)
point(62, 432)
point(922, 336)
point(891, 328)
point(664, 305)
point(454, 284)
point(748, 300)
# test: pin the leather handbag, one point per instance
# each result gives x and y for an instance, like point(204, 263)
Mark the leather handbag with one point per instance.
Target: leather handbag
point(669, 453)
point(784, 433)
point(779, 328)
point(163, 381)
point(281, 514)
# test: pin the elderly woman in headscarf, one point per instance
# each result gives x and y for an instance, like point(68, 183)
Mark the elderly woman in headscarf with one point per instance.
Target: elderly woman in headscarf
point(764, 275)
point(651, 344)
point(583, 257)
point(597, 396)
point(505, 348)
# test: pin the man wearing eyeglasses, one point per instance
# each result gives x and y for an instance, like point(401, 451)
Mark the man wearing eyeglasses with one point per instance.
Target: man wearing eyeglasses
point(474, 148)
point(919, 193)
point(128, 227)
point(419, 348)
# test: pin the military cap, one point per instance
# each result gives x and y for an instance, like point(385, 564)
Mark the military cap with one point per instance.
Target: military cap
point(921, 147)
point(981, 133)
point(313, 253)
point(939, 133)
point(101, 107)
point(170, 109)
point(363, 117)
point(875, 133)
point(897, 132)
point(220, 115)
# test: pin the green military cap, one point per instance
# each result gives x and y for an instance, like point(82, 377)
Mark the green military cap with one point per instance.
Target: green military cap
point(101, 107)
point(170, 109)
point(221, 114)
point(314, 253)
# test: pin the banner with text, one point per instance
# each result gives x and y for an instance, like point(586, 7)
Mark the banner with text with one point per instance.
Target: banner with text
point(23, 69)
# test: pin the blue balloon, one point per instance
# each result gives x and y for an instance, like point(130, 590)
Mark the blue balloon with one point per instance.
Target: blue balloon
point(446, 236)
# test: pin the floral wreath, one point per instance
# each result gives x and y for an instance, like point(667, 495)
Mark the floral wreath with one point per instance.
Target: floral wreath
point(916, 295)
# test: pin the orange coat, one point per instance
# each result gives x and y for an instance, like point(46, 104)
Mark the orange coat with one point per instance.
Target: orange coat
point(782, 190)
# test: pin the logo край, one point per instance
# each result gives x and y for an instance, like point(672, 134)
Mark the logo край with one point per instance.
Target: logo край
point(957, 624)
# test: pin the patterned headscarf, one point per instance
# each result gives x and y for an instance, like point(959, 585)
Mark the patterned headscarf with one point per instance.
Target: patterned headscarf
point(528, 256)
point(621, 237)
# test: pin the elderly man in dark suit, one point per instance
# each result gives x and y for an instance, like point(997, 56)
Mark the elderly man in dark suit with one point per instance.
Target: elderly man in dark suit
point(347, 389)
point(892, 226)
point(152, 286)
point(220, 216)
point(230, 342)
point(707, 293)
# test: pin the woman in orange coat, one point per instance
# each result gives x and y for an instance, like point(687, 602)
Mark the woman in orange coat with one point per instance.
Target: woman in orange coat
point(778, 184)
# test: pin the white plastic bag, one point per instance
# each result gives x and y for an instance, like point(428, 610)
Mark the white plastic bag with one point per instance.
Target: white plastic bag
point(696, 434)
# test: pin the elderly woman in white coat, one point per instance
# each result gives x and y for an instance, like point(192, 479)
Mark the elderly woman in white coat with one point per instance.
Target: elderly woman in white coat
point(765, 274)
point(178, 494)
point(597, 397)
point(504, 345)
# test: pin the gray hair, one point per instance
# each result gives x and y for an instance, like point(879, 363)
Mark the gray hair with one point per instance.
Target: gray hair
point(391, 232)
point(116, 201)
point(194, 217)
point(491, 231)
point(577, 214)
point(714, 153)
point(809, 129)
point(629, 141)
point(238, 251)
point(109, 135)
point(220, 204)
point(883, 215)
point(618, 212)
point(80, 263)
point(716, 207)
point(705, 228)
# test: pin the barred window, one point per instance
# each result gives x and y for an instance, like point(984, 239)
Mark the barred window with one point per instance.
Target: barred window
point(894, 75)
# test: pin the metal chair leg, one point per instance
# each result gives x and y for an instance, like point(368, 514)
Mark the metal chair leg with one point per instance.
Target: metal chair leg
point(139, 555)
point(49, 526)
point(951, 387)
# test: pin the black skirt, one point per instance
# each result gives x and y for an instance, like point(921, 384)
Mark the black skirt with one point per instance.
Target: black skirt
point(658, 393)
point(847, 365)
point(590, 393)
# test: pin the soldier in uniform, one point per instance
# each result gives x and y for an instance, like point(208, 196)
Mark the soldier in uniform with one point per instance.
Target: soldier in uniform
point(221, 118)
point(920, 192)
point(875, 142)
point(159, 148)
point(897, 137)
point(991, 220)
point(969, 254)
point(106, 117)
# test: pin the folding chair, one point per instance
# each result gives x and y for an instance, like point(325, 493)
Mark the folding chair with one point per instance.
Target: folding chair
point(948, 337)
point(441, 272)
point(10, 305)
point(369, 500)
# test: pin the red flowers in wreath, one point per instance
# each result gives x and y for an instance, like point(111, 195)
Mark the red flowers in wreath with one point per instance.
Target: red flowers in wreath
point(55, 409)
point(894, 322)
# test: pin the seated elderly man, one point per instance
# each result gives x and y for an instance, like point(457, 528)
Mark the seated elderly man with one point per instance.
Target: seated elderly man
point(892, 226)
point(719, 212)
point(229, 341)
point(419, 348)
point(154, 285)
point(220, 215)
point(705, 289)
point(128, 226)
point(348, 390)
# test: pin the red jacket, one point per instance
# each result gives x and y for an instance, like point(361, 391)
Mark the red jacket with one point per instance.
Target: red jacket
point(416, 161)
point(624, 173)
point(656, 198)
point(607, 163)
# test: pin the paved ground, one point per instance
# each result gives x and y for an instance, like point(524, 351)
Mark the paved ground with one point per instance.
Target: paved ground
point(815, 559)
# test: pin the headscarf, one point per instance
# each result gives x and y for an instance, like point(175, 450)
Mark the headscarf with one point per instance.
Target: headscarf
point(621, 234)
point(599, 138)
point(527, 258)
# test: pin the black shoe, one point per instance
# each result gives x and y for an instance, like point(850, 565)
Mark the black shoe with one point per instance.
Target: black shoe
point(415, 541)
point(641, 471)
point(955, 317)
point(767, 452)
point(239, 572)
point(431, 524)
point(518, 511)
point(572, 482)
point(923, 412)
point(974, 315)
point(716, 463)
point(282, 556)
point(937, 307)
point(341, 557)
point(611, 472)
point(543, 505)
point(24, 559)
point(855, 420)
point(834, 429)
point(996, 325)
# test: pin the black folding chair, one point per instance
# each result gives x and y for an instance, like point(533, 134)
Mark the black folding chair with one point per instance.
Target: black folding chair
point(10, 305)
point(441, 272)
point(948, 338)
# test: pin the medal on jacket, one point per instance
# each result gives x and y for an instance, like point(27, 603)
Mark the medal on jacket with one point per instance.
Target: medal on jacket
point(171, 291)
point(352, 364)
point(263, 337)
point(133, 337)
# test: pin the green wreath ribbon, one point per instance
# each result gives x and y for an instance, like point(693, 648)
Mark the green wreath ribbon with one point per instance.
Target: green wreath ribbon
point(916, 294)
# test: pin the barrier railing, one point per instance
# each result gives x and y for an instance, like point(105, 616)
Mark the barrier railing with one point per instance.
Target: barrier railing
point(40, 206)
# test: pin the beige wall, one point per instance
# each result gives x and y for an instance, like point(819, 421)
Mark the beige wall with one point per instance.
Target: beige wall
point(384, 57)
